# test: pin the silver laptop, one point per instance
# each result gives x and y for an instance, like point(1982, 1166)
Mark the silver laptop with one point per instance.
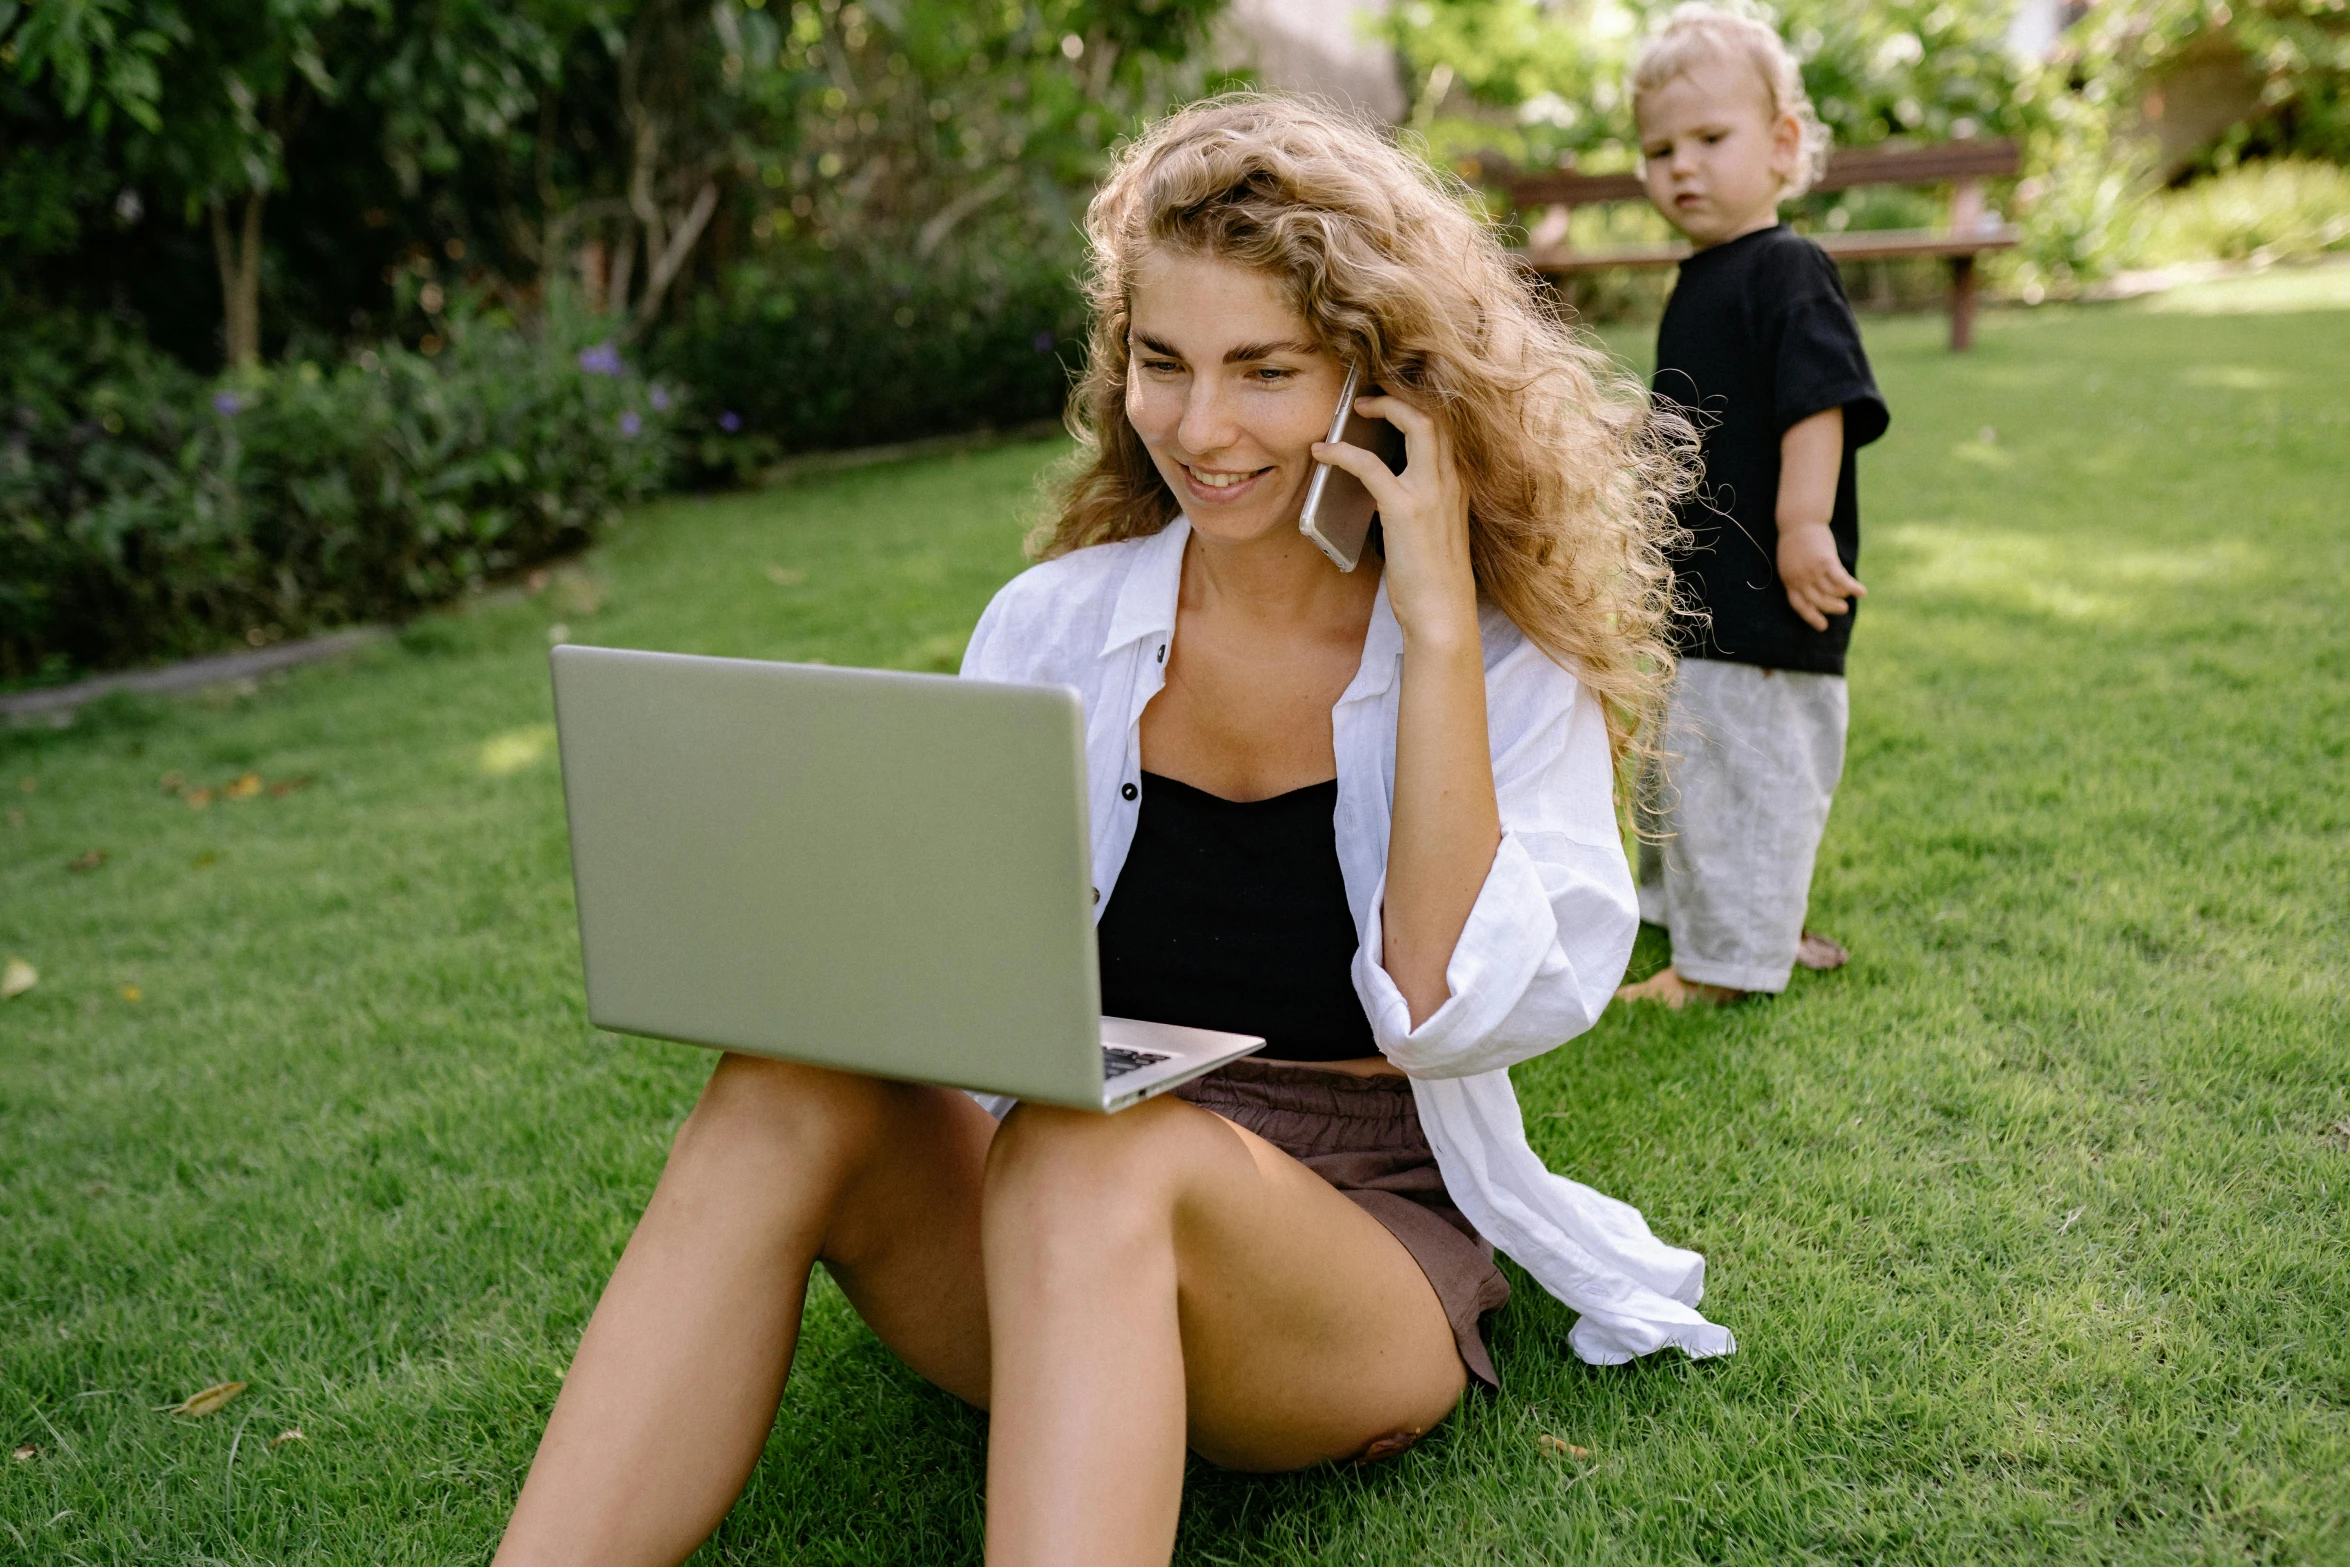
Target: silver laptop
point(883, 872)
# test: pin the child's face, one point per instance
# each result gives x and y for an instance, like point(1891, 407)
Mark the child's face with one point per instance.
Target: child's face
point(1713, 156)
point(1228, 391)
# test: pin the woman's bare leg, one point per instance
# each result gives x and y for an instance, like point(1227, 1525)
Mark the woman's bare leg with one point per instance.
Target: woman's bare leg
point(1160, 1278)
point(669, 1400)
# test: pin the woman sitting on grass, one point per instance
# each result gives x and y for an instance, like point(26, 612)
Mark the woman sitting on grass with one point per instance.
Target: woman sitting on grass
point(1367, 815)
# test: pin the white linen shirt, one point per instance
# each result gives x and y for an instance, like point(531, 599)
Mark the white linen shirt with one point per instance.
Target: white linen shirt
point(1543, 949)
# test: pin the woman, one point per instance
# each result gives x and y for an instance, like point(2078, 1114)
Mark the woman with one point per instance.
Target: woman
point(1366, 815)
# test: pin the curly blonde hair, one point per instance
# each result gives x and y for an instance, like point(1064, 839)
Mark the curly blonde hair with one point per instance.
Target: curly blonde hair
point(1572, 478)
point(1697, 31)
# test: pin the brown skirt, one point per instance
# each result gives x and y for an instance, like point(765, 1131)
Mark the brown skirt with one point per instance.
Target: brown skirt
point(1362, 1135)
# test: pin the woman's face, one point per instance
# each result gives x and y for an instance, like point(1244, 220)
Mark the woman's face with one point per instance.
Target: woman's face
point(1227, 390)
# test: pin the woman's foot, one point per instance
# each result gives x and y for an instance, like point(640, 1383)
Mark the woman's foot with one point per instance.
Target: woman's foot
point(1819, 952)
point(1667, 985)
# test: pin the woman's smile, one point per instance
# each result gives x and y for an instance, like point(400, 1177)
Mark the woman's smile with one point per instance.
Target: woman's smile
point(1215, 487)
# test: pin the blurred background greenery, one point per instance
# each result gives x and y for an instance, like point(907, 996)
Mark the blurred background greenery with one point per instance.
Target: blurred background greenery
point(324, 309)
point(2153, 130)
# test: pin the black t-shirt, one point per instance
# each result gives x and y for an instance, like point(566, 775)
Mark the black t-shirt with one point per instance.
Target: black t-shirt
point(1759, 337)
point(1232, 914)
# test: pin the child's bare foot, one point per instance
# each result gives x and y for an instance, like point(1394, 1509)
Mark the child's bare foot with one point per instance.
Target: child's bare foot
point(1667, 985)
point(1816, 951)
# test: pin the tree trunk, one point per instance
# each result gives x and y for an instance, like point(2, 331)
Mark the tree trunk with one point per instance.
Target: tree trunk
point(623, 267)
point(239, 259)
point(656, 94)
point(672, 257)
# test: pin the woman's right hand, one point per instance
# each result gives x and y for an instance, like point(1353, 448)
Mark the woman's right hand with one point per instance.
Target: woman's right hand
point(1423, 523)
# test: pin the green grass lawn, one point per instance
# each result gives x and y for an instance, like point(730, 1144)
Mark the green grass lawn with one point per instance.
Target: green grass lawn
point(2031, 1223)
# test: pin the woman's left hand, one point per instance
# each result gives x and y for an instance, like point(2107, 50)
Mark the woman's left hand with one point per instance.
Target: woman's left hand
point(1423, 521)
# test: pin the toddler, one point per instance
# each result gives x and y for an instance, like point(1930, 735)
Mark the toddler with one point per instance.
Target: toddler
point(1760, 345)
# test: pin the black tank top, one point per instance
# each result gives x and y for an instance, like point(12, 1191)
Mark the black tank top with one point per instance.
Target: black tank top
point(1232, 915)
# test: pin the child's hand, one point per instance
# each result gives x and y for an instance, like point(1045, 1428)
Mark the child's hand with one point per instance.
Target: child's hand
point(1817, 583)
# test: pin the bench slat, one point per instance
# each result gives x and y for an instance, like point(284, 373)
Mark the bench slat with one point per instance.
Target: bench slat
point(1946, 161)
point(1888, 244)
point(1865, 245)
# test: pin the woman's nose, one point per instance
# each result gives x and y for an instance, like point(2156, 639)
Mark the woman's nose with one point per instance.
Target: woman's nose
point(1207, 422)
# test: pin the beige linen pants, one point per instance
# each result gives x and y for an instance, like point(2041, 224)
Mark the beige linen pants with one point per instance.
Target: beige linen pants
point(1731, 821)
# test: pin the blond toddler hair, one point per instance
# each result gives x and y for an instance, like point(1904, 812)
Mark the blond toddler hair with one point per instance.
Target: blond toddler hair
point(1697, 31)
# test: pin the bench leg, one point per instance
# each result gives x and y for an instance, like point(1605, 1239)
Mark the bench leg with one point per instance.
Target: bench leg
point(1962, 303)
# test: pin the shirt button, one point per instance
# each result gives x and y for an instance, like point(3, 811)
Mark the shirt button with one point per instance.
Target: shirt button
point(1127, 791)
point(1162, 652)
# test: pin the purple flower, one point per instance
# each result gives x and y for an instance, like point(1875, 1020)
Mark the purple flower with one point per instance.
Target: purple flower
point(631, 424)
point(603, 359)
point(660, 399)
point(1044, 342)
point(730, 421)
point(227, 404)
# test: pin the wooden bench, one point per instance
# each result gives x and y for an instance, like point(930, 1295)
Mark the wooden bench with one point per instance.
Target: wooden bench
point(1962, 165)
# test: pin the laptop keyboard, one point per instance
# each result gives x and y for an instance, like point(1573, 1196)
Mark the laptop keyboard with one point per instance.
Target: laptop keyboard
point(1118, 1061)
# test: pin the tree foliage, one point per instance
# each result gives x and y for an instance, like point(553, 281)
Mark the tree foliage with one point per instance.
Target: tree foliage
point(1542, 82)
point(846, 219)
point(197, 100)
point(1548, 79)
point(534, 137)
point(2299, 50)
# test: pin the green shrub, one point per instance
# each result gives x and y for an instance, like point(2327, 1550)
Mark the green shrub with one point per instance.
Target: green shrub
point(828, 350)
point(2288, 210)
point(146, 513)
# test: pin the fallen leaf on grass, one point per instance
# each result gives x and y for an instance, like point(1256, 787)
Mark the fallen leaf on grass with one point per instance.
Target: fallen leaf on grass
point(1562, 1447)
point(133, 994)
point(786, 576)
point(172, 782)
point(17, 978)
point(289, 1434)
point(25, 1452)
point(213, 1399)
point(286, 786)
point(244, 787)
point(2337, 1134)
point(26, 786)
point(198, 798)
point(88, 862)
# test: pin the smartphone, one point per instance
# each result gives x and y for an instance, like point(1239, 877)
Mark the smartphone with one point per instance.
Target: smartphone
point(1339, 510)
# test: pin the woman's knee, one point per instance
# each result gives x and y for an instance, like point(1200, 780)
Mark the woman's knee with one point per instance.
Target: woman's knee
point(1046, 1143)
point(1051, 1168)
point(763, 1110)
